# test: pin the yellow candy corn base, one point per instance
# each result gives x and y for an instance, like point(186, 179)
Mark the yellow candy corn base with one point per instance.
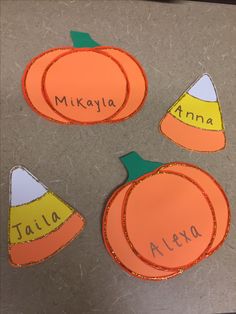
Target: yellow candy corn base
point(35, 251)
point(191, 137)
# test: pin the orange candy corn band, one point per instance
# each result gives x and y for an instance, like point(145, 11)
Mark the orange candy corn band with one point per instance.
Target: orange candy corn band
point(216, 195)
point(53, 77)
point(34, 252)
point(191, 137)
point(126, 256)
point(40, 106)
point(126, 232)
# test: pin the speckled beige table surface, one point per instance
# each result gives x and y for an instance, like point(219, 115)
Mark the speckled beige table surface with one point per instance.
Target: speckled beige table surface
point(175, 42)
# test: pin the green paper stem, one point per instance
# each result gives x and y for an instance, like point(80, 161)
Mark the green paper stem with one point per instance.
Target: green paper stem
point(136, 166)
point(82, 40)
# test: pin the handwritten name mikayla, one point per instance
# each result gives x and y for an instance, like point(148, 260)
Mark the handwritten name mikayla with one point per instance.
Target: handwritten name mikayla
point(176, 241)
point(40, 224)
point(85, 103)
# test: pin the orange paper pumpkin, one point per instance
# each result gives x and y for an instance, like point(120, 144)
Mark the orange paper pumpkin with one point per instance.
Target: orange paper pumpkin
point(165, 219)
point(85, 84)
point(161, 222)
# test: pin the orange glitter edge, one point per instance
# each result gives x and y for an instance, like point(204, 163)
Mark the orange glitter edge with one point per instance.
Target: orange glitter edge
point(211, 251)
point(112, 252)
point(24, 89)
point(70, 122)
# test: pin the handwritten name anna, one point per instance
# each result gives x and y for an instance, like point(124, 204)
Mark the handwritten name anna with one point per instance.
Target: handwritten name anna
point(40, 224)
point(85, 103)
point(193, 116)
point(176, 241)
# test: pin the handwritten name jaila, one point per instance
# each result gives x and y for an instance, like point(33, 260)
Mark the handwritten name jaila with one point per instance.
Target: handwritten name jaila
point(176, 241)
point(40, 224)
point(193, 116)
point(85, 103)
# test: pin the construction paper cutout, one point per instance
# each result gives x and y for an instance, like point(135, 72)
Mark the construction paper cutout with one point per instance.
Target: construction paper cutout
point(216, 196)
point(209, 192)
point(32, 81)
point(82, 40)
point(136, 166)
point(138, 85)
point(40, 223)
point(85, 86)
point(119, 248)
point(133, 69)
point(133, 77)
point(168, 232)
point(195, 120)
point(191, 138)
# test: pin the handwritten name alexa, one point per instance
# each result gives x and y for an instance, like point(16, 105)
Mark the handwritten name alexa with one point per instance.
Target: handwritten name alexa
point(85, 103)
point(177, 240)
point(40, 224)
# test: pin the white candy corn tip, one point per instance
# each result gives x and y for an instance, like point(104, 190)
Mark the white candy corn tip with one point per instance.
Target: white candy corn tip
point(204, 89)
point(24, 187)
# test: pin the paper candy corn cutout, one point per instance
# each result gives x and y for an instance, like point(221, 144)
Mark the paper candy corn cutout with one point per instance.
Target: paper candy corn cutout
point(40, 223)
point(195, 120)
point(85, 84)
point(165, 219)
